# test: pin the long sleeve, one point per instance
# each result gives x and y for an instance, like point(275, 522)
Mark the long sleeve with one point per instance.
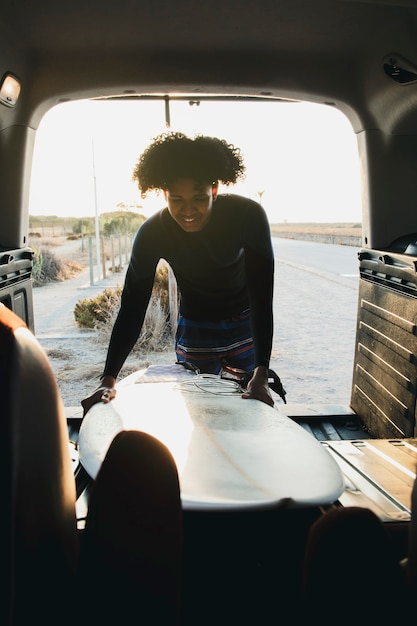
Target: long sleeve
point(259, 267)
point(135, 298)
point(127, 326)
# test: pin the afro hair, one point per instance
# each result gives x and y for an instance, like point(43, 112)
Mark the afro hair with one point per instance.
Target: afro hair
point(172, 156)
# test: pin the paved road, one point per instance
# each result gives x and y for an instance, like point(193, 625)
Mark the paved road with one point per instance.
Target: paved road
point(314, 308)
point(332, 260)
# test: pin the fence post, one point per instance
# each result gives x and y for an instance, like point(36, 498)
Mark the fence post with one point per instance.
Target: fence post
point(126, 250)
point(120, 252)
point(113, 266)
point(90, 258)
point(103, 256)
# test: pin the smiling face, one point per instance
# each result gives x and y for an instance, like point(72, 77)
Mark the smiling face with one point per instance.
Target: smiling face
point(190, 203)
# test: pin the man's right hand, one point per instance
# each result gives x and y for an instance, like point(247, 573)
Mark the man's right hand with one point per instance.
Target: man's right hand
point(104, 393)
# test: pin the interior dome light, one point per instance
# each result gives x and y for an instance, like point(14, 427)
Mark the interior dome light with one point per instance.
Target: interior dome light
point(9, 90)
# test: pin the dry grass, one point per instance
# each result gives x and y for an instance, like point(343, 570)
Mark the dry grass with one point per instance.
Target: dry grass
point(155, 335)
point(49, 267)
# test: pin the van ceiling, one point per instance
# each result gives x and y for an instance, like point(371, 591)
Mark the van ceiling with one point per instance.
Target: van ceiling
point(319, 50)
point(55, 29)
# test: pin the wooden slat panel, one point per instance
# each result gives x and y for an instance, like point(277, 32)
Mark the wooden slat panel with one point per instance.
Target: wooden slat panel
point(381, 414)
point(376, 358)
point(391, 318)
point(385, 369)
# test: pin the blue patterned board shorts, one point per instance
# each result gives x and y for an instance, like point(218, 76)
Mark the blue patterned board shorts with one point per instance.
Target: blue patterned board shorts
point(210, 346)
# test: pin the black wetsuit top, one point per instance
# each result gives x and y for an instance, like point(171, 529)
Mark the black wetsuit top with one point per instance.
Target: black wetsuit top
point(220, 270)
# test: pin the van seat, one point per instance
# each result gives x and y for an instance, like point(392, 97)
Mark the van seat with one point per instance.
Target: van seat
point(134, 521)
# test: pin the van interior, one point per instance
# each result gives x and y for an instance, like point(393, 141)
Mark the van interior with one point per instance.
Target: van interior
point(358, 57)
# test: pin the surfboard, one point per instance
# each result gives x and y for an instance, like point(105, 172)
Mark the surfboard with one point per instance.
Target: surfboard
point(231, 453)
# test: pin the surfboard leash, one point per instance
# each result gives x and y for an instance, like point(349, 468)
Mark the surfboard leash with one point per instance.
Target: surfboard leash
point(242, 378)
point(274, 381)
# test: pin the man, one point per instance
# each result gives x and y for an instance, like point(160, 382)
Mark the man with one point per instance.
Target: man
point(219, 248)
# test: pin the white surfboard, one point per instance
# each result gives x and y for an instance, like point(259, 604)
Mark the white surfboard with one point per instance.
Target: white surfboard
point(231, 453)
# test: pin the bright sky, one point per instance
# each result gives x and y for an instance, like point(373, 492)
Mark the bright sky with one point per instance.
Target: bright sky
point(302, 156)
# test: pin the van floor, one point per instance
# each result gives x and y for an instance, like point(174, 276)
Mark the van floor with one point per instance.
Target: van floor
point(327, 422)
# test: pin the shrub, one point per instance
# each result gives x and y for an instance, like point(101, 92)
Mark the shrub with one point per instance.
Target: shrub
point(91, 312)
point(121, 222)
point(100, 313)
point(37, 274)
point(47, 267)
point(156, 329)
